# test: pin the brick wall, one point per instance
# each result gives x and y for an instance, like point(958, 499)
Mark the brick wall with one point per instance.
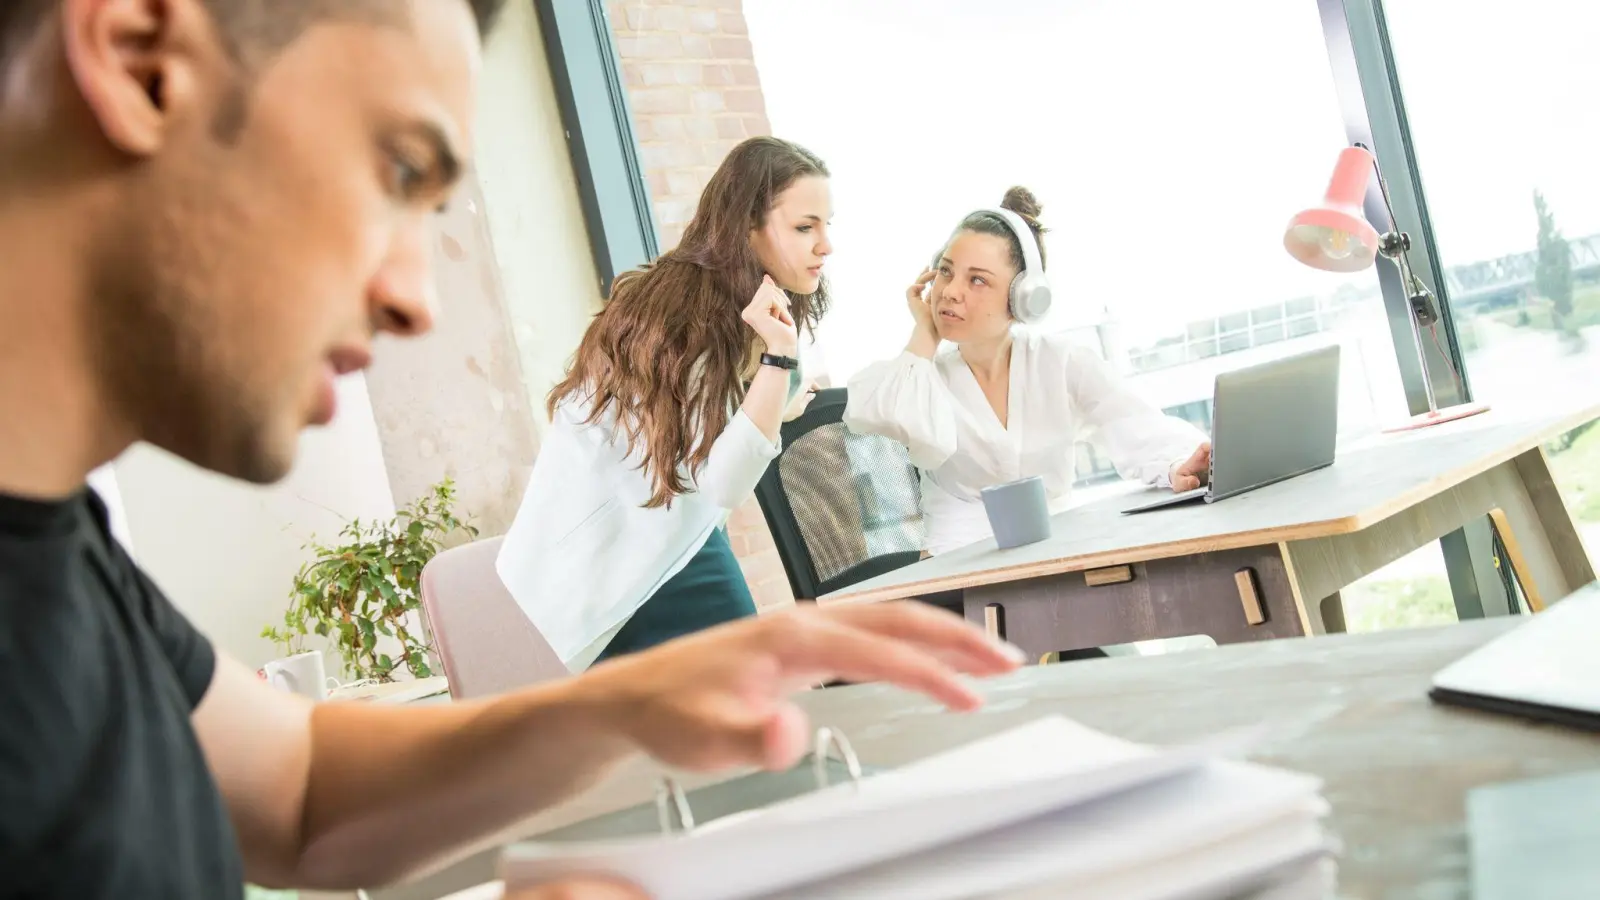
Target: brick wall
point(692, 83)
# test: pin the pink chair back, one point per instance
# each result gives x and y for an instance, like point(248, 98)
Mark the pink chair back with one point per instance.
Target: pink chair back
point(487, 644)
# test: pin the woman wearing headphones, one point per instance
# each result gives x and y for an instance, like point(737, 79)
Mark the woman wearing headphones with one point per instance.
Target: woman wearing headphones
point(1006, 402)
point(669, 415)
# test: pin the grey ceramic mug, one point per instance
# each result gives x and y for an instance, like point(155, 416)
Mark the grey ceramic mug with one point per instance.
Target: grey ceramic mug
point(1019, 512)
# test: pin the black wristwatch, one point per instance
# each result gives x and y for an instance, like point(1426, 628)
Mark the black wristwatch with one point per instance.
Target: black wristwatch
point(780, 362)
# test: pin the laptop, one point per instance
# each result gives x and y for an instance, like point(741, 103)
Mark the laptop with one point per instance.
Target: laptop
point(1269, 422)
point(1547, 668)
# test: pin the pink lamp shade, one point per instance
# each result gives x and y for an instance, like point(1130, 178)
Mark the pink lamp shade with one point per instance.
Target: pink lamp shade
point(1335, 236)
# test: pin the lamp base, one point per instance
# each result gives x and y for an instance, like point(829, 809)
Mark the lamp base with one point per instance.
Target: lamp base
point(1439, 417)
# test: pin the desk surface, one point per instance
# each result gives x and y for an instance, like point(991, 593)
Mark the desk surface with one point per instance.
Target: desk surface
point(1369, 483)
point(1351, 709)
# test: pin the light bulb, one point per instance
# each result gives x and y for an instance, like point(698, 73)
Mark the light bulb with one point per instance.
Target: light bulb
point(1336, 243)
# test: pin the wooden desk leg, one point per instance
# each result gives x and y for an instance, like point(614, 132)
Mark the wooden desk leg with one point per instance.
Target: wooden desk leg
point(1519, 496)
point(1541, 540)
point(1332, 607)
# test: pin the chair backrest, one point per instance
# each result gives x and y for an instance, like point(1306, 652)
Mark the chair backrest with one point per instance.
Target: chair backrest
point(842, 507)
point(487, 644)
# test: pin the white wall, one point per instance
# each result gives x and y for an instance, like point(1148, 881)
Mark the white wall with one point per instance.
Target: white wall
point(226, 552)
point(531, 201)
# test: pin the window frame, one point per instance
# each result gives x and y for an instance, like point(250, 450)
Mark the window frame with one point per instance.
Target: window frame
point(597, 120)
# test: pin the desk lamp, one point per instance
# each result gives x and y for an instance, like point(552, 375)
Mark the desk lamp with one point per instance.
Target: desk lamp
point(1336, 237)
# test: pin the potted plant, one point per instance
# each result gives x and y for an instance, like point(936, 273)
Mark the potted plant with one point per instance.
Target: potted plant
point(363, 593)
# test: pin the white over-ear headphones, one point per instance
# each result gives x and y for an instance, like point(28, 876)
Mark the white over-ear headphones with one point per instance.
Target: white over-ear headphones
point(1030, 290)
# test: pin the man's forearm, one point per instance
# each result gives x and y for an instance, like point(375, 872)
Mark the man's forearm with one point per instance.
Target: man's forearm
point(397, 791)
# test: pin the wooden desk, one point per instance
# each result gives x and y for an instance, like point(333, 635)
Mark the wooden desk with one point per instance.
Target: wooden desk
point(1269, 563)
point(1350, 709)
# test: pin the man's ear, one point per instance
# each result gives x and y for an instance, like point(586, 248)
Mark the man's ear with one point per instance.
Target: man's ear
point(134, 62)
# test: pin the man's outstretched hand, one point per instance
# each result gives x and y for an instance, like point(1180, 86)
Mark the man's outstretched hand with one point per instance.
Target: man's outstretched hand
point(721, 698)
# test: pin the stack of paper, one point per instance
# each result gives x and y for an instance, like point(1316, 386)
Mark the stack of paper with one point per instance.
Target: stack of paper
point(1051, 807)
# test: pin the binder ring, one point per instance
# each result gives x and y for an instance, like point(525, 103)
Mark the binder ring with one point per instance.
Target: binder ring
point(670, 800)
point(829, 738)
point(672, 807)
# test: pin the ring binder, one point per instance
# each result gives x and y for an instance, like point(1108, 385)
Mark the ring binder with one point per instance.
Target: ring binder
point(828, 737)
point(672, 804)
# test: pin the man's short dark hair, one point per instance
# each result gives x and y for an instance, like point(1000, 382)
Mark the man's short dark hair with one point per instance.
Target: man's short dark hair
point(253, 28)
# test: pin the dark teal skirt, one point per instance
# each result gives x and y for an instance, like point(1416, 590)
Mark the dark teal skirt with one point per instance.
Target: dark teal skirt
point(709, 591)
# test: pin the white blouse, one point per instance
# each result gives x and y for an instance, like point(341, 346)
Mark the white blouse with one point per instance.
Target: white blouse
point(1060, 393)
point(584, 554)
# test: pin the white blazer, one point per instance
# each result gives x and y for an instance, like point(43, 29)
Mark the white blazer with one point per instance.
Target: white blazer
point(1059, 393)
point(584, 554)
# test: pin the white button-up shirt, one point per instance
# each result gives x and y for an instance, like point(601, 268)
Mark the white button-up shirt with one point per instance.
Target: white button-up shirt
point(584, 553)
point(1060, 393)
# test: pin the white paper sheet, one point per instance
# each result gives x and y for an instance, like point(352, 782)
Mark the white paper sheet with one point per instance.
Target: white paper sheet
point(1048, 765)
point(1207, 833)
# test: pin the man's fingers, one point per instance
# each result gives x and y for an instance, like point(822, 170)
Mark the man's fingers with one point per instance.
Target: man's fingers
point(936, 631)
point(785, 738)
point(855, 654)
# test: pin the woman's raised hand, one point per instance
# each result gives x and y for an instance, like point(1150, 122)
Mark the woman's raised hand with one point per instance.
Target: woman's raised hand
point(768, 315)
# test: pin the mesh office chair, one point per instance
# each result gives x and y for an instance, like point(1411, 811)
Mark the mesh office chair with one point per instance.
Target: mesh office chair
point(842, 507)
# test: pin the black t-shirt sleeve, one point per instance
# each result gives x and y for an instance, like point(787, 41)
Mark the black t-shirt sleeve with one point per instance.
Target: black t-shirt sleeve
point(188, 651)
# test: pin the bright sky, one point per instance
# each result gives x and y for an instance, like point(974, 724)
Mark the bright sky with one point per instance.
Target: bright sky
point(1170, 141)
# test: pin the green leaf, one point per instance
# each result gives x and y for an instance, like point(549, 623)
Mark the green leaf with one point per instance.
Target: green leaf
point(385, 662)
point(415, 530)
point(322, 629)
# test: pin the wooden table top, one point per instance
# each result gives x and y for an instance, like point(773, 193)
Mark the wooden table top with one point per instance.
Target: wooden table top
point(1368, 483)
point(1352, 710)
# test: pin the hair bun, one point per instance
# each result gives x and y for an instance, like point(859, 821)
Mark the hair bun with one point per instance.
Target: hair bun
point(1021, 201)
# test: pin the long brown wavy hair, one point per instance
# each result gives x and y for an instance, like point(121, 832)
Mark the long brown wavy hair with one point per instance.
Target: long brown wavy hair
point(670, 353)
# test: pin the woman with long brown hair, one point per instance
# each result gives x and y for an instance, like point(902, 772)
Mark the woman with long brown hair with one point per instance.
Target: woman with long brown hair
point(669, 415)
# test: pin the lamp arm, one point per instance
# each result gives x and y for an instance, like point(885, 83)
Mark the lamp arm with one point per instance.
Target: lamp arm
point(1394, 245)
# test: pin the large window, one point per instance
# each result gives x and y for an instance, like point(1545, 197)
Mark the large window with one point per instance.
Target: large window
point(1500, 103)
point(1168, 159)
point(1170, 142)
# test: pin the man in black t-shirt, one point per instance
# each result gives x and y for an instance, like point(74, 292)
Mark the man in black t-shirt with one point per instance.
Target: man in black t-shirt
point(208, 209)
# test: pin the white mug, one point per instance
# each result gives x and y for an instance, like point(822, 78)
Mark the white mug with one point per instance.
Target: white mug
point(302, 674)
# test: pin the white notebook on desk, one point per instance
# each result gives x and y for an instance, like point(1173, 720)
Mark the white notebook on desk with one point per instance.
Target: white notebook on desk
point(1049, 800)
